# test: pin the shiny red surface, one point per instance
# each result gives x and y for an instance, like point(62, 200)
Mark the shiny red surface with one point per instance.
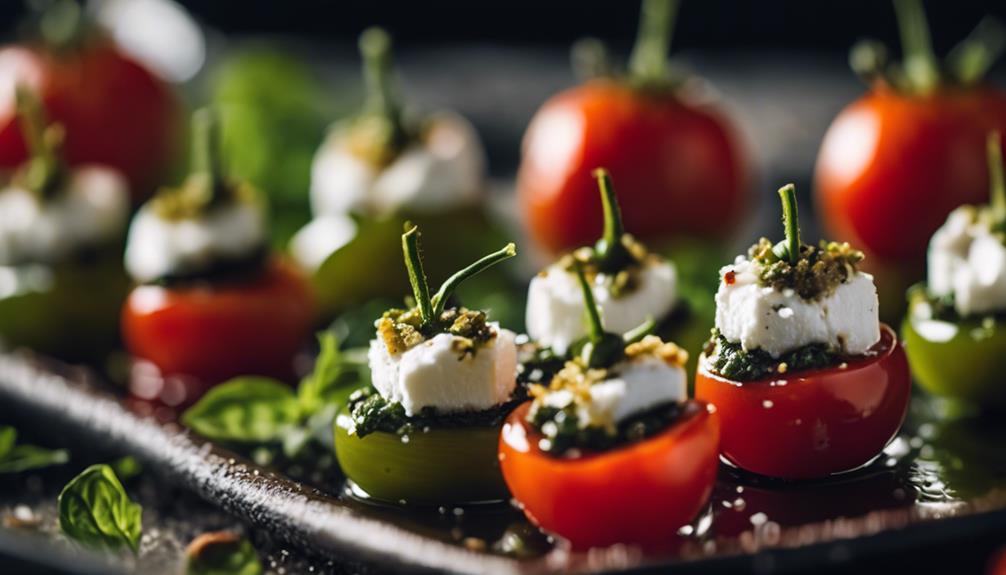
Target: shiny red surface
point(813, 423)
point(114, 111)
point(214, 332)
point(638, 494)
point(677, 167)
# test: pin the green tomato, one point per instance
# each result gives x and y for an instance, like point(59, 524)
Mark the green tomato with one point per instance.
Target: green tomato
point(963, 359)
point(445, 466)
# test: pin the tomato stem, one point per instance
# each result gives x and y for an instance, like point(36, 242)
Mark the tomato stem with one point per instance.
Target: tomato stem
point(791, 221)
point(40, 173)
point(206, 150)
point(920, 64)
point(381, 100)
point(997, 186)
point(611, 253)
point(595, 327)
point(447, 288)
point(639, 332)
point(648, 61)
point(417, 276)
point(971, 59)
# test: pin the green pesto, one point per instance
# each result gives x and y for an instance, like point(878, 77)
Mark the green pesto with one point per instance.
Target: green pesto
point(401, 330)
point(730, 360)
point(371, 412)
point(563, 432)
point(815, 274)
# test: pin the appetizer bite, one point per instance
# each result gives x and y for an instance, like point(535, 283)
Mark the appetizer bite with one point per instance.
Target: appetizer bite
point(211, 302)
point(381, 168)
point(953, 332)
point(909, 150)
point(444, 377)
point(61, 233)
point(668, 147)
point(611, 450)
point(806, 379)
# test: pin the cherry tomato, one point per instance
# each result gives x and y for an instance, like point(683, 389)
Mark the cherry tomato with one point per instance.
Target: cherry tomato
point(896, 158)
point(115, 112)
point(813, 423)
point(637, 494)
point(679, 167)
point(213, 332)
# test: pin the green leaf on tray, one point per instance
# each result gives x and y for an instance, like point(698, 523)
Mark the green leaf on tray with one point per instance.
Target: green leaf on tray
point(8, 436)
point(95, 511)
point(245, 409)
point(17, 458)
point(221, 553)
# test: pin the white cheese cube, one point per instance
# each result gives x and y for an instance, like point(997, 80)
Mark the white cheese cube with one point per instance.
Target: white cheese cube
point(434, 374)
point(967, 261)
point(556, 316)
point(781, 321)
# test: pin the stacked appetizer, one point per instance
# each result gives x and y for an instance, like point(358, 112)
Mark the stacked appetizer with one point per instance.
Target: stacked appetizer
point(952, 332)
point(444, 377)
point(806, 379)
point(211, 301)
point(379, 169)
point(610, 450)
point(61, 234)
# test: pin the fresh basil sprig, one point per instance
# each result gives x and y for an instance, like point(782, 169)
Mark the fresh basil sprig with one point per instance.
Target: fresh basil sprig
point(16, 458)
point(221, 553)
point(258, 410)
point(95, 511)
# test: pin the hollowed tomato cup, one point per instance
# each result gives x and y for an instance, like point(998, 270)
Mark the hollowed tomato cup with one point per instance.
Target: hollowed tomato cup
point(640, 494)
point(813, 423)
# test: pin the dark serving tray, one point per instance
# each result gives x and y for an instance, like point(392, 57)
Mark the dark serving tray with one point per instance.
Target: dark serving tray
point(943, 478)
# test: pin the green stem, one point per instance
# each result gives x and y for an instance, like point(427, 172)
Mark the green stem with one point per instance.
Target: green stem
point(919, 60)
point(43, 165)
point(648, 61)
point(639, 332)
point(596, 328)
point(206, 151)
point(590, 59)
point(971, 59)
point(375, 47)
point(791, 221)
point(611, 253)
point(452, 283)
point(417, 277)
point(997, 186)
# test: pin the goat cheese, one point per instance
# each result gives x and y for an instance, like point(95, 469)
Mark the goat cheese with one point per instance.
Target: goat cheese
point(555, 308)
point(777, 321)
point(443, 170)
point(157, 247)
point(91, 210)
point(434, 374)
point(967, 261)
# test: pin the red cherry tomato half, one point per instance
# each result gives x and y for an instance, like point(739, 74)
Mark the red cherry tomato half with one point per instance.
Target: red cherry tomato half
point(893, 158)
point(812, 423)
point(678, 167)
point(216, 332)
point(638, 494)
point(114, 111)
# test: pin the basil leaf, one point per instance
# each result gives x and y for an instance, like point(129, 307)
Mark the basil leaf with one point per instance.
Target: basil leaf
point(25, 457)
point(126, 468)
point(336, 374)
point(8, 435)
point(221, 553)
point(245, 409)
point(95, 511)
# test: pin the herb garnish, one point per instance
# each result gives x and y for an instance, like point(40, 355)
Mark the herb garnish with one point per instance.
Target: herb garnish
point(730, 360)
point(95, 510)
point(44, 172)
point(563, 430)
point(16, 458)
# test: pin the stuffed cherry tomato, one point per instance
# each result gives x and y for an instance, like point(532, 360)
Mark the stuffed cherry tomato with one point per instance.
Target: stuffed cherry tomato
point(443, 380)
point(806, 379)
point(211, 303)
point(666, 148)
point(909, 151)
point(610, 450)
point(115, 112)
point(61, 234)
point(955, 331)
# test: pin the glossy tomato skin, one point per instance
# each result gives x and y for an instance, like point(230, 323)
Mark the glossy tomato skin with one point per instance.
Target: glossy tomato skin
point(814, 423)
point(678, 166)
point(892, 166)
point(640, 494)
point(213, 332)
point(114, 111)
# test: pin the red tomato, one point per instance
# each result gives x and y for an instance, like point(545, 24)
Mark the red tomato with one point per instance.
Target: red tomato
point(892, 166)
point(678, 166)
point(638, 494)
point(813, 423)
point(215, 332)
point(114, 111)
